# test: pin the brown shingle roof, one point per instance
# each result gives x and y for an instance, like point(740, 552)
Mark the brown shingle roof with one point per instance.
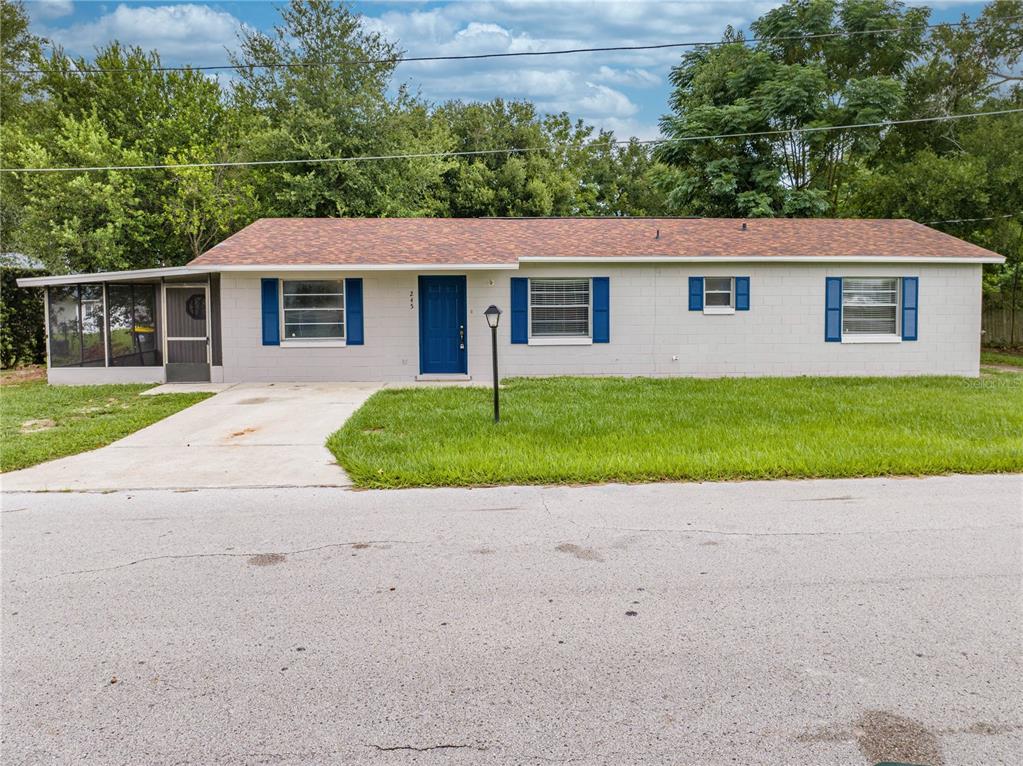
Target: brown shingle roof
point(503, 241)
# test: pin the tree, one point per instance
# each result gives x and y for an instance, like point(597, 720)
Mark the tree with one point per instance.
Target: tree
point(530, 180)
point(18, 49)
point(557, 166)
point(121, 108)
point(83, 221)
point(619, 178)
point(829, 76)
point(966, 63)
point(206, 204)
point(328, 103)
point(973, 191)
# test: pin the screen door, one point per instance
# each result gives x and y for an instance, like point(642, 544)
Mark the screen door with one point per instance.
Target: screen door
point(188, 337)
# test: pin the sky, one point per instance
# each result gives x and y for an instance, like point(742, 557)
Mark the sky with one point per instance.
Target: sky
point(625, 91)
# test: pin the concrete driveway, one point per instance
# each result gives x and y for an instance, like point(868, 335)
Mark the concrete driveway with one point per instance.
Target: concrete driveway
point(251, 435)
point(791, 622)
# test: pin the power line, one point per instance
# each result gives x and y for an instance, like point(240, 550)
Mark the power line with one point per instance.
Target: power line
point(971, 220)
point(824, 128)
point(518, 54)
point(509, 150)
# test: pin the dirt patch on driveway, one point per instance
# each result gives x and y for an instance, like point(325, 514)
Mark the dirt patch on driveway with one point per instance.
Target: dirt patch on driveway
point(586, 554)
point(267, 559)
point(884, 736)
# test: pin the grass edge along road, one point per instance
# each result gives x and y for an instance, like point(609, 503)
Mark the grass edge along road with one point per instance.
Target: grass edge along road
point(592, 430)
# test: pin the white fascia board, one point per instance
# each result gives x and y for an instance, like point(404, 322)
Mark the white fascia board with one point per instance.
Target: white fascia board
point(109, 276)
point(270, 268)
point(683, 259)
point(759, 259)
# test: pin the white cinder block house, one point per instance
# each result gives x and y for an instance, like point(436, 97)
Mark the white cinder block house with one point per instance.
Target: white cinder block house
point(403, 300)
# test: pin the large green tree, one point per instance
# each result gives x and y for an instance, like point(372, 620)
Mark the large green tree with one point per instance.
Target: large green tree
point(961, 176)
point(121, 108)
point(91, 221)
point(812, 67)
point(557, 167)
point(326, 101)
point(18, 50)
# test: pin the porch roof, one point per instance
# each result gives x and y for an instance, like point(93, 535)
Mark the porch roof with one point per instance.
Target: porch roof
point(136, 275)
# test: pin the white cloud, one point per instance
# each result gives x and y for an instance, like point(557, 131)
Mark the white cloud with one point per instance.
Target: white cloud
point(600, 99)
point(635, 76)
point(187, 33)
point(618, 90)
point(49, 9)
point(627, 128)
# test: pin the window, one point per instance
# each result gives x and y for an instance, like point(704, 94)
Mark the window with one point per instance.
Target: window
point(313, 309)
point(870, 306)
point(559, 308)
point(131, 319)
point(718, 293)
point(76, 326)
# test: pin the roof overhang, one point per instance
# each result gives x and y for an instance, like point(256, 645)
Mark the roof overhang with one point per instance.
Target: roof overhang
point(276, 268)
point(111, 276)
point(189, 271)
point(683, 259)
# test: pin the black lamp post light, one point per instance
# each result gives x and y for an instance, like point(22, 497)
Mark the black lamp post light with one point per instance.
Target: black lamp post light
point(493, 315)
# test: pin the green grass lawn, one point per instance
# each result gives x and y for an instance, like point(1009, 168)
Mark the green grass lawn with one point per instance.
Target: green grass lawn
point(40, 422)
point(608, 429)
point(1006, 358)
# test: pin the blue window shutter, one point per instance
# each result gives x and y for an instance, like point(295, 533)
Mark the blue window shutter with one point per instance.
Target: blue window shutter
point(601, 310)
point(271, 314)
point(910, 299)
point(742, 293)
point(696, 293)
point(353, 312)
point(833, 309)
point(519, 310)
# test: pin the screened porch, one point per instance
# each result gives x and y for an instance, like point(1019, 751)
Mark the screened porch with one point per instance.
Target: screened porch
point(153, 325)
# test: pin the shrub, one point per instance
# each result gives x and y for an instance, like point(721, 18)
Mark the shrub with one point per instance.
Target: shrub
point(22, 333)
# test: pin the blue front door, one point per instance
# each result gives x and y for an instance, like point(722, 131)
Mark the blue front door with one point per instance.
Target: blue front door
point(442, 325)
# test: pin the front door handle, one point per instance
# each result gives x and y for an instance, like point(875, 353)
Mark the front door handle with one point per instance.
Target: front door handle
point(461, 337)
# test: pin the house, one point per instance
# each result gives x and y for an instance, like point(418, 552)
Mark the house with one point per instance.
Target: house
point(403, 300)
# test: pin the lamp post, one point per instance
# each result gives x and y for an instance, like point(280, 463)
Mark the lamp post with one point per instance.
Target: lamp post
point(493, 315)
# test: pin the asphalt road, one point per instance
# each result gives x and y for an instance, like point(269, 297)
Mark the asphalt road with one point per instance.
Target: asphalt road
point(815, 622)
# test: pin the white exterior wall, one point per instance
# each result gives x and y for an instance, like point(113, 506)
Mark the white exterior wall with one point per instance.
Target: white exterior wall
point(781, 335)
point(94, 376)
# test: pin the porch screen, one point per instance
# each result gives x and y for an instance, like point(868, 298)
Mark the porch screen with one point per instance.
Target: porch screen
point(76, 326)
point(131, 317)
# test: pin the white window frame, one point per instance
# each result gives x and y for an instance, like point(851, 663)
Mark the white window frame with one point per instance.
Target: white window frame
point(896, 337)
point(560, 340)
point(313, 342)
point(730, 308)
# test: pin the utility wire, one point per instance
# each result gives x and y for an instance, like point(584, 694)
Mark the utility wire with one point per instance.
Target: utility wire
point(971, 220)
point(509, 150)
point(823, 128)
point(518, 54)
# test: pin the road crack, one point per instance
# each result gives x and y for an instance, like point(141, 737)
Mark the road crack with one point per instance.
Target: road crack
point(226, 554)
point(427, 748)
